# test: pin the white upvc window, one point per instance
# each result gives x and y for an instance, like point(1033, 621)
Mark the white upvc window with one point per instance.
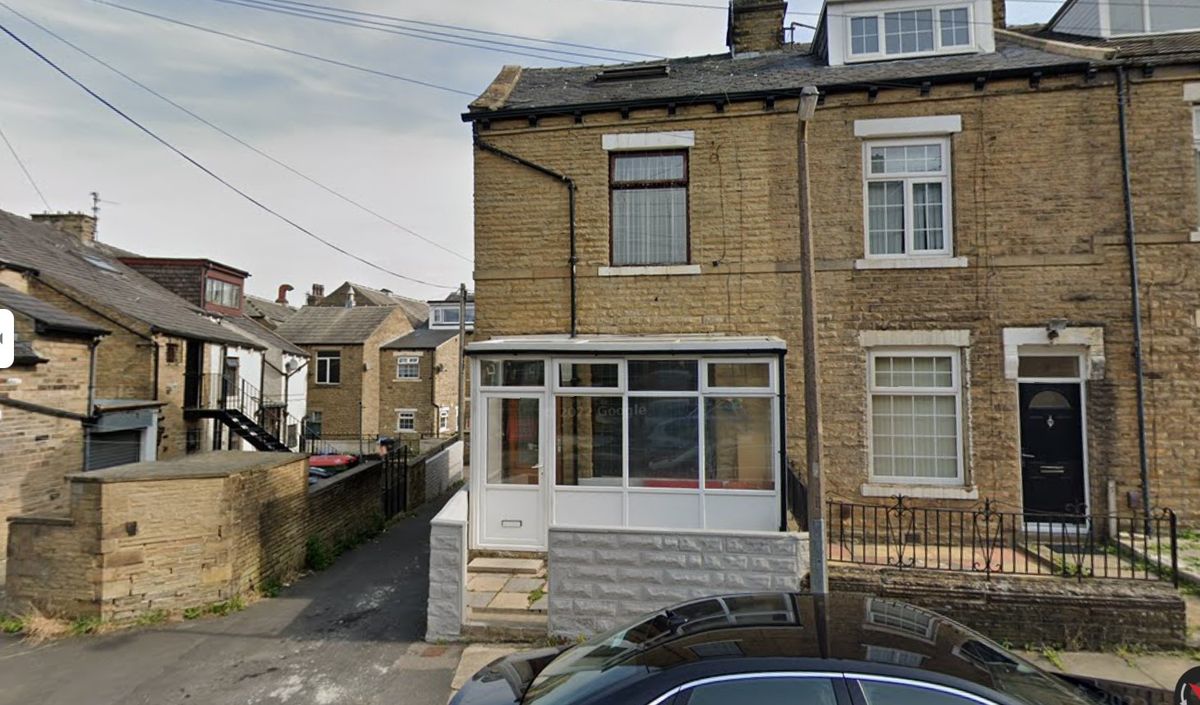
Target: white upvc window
point(329, 367)
point(1196, 150)
point(443, 418)
point(915, 398)
point(408, 367)
point(917, 31)
point(907, 197)
point(406, 420)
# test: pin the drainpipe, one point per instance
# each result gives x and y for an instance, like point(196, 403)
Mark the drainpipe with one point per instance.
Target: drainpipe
point(91, 402)
point(1134, 291)
point(785, 475)
point(570, 184)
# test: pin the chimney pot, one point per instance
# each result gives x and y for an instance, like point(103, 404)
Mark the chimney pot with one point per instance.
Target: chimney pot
point(283, 292)
point(77, 224)
point(755, 26)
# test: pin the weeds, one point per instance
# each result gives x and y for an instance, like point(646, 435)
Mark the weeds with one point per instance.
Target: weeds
point(1052, 655)
point(270, 587)
point(193, 613)
point(152, 618)
point(233, 604)
point(11, 624)
point(536, 595)
point(85, 625)
point(317, 554)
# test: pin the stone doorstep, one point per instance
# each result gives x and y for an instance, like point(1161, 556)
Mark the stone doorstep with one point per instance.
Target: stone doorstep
point(508, 603)
point(487, 582)
point(513, 566)
point(525, 585)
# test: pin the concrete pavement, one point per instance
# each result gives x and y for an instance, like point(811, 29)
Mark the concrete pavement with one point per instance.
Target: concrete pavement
point(1160, 670)
point(351, 635)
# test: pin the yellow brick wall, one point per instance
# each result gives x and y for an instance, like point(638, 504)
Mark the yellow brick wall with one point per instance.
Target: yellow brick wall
point(432, 390)
point(1037, 213)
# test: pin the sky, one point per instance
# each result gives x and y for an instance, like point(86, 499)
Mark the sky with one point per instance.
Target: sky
point(396, 147)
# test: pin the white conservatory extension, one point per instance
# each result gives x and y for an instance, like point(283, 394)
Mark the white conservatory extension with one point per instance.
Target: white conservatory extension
point(664, 432)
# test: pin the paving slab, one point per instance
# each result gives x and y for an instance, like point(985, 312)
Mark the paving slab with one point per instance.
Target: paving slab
point(525, 585)
point(487, 582)
point(542, 605)
point(516, 566)
point(510, 601)
point(475, 657)
point(1109, 666)
point(479, 598)
point(1164, 670)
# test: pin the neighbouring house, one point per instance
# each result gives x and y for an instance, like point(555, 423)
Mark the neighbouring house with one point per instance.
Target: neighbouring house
point(159, 344)
point(269, 313)
point(419, 391)
point(444, 314)
point(45, 403)
point(637, 359)
point(265, 384)
point(351, 294)
point(346, 370)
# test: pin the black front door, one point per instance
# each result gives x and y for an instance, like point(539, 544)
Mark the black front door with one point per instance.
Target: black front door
point(1052, 452)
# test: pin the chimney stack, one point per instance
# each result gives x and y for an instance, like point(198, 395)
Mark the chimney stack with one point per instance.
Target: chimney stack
point(350, 299)
point(318, 293)
point(999, 14)
point(283, 292)
point(77, 224)
point(755, 26)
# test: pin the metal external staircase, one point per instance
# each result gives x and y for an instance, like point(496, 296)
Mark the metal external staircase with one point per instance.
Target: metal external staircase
point(234, 409)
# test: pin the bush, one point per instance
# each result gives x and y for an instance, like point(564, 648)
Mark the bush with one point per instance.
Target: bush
point(317, 554)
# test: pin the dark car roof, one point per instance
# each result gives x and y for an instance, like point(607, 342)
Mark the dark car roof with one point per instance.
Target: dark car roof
point(845, 632)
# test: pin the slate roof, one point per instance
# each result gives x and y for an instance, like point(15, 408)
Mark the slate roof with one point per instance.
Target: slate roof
point(422, 339)
point(329, 325)
point(265, 335)
point(258, 307)
point(416, 311)
point(48, 316)
point(1176, 47)
point(783, 73)
point(93, 274)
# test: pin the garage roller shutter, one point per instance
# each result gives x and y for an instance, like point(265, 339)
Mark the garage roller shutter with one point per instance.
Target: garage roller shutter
point(114, 448)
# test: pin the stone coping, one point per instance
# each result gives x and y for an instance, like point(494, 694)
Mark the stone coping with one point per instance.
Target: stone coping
point(213, 464)
point(688, 532)
point(454, 512)
point(41, 519)
point(330, 483)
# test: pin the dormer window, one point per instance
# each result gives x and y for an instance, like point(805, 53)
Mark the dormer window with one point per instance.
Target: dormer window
point(910, 32)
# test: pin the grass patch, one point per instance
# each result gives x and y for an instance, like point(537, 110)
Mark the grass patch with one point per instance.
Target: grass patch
point(193, 613)
point(11, 624)
point(152, 618)
point(1052, 655)
point(270, 587)
point(220, 609)
point(83, 626)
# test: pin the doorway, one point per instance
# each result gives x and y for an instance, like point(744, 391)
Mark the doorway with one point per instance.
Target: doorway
point(514, 502)
point(1053, 455)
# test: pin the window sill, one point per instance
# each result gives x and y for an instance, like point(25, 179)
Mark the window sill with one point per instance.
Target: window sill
point(1195, 236)
point(408, 379)
point(649, 270)
point(920, 491)
point(912, 263)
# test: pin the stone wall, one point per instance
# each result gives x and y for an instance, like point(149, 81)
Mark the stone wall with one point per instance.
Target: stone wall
point(424, 395)
point(443, 469)
point(447, 606)
point(602, 578)
point(1079, 615)
point(346, 505)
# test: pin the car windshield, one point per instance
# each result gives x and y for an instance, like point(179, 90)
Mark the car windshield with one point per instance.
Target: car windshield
point(600, 662)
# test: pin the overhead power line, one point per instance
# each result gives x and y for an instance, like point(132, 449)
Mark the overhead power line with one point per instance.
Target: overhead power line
point(493, 45)
point(24, 170)
point(472, 30)
point(286, 50)
point(209, 172)
point(233, 137)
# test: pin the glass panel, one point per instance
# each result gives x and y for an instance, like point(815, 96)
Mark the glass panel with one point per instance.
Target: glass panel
point(914, 436)
point(664, 442)
point(908, 31)
point(956, 29)
point(1049, 399)
point(906, 159)
point(896, 694)
point(765, 691)
point(641, 168)
point(738, 452)
point(512, 373)
point(1048, 366)
point(928, 228)
point(923, 371)
point(649, 226)
point(588, 374)
point(664, 375)
point(739, 374)
point(512, 441)
point(885, 217)
point(589, 431)
point(864, 35)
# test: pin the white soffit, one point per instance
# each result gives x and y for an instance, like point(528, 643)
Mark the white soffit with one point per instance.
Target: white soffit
point(910, 126)
point(628, 141)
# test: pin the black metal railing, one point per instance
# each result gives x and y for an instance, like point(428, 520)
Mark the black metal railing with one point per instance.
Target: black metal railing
point(988, 541)
point(796, 494)
point(395, 481)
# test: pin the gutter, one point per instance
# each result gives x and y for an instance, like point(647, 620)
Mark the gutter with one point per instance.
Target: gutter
point(1134, 289)
point(43, 410)
point(571, 189)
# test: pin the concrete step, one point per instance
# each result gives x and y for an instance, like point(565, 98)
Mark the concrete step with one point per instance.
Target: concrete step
point(504, 627)
point(512, 566)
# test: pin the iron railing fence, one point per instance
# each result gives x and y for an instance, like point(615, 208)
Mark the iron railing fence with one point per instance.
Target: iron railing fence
point(985, 540)
point(796, 497)
point(394, 481)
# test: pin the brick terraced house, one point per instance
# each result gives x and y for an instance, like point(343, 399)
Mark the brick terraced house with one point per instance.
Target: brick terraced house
point(419, 391)
point(637, 357)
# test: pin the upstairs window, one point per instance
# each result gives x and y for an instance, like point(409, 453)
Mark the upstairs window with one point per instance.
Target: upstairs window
point(222, 293)
point(329, 367)
point(649, 208)
point(447, 316)
point(910, 32)
point(408, 367)
point(907, 185)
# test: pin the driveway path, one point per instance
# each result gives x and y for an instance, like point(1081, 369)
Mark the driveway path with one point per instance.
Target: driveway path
point(350, 635)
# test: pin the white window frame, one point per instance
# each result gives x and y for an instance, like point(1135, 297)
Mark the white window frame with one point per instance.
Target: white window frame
point(944, 177)
point(217, 288)
point(410, 415)
point(938, 47)
point(325, 368)
point(955, 390)
point(408, 361)
point(443, 419)
point(879, 617)
point(1195, 237)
